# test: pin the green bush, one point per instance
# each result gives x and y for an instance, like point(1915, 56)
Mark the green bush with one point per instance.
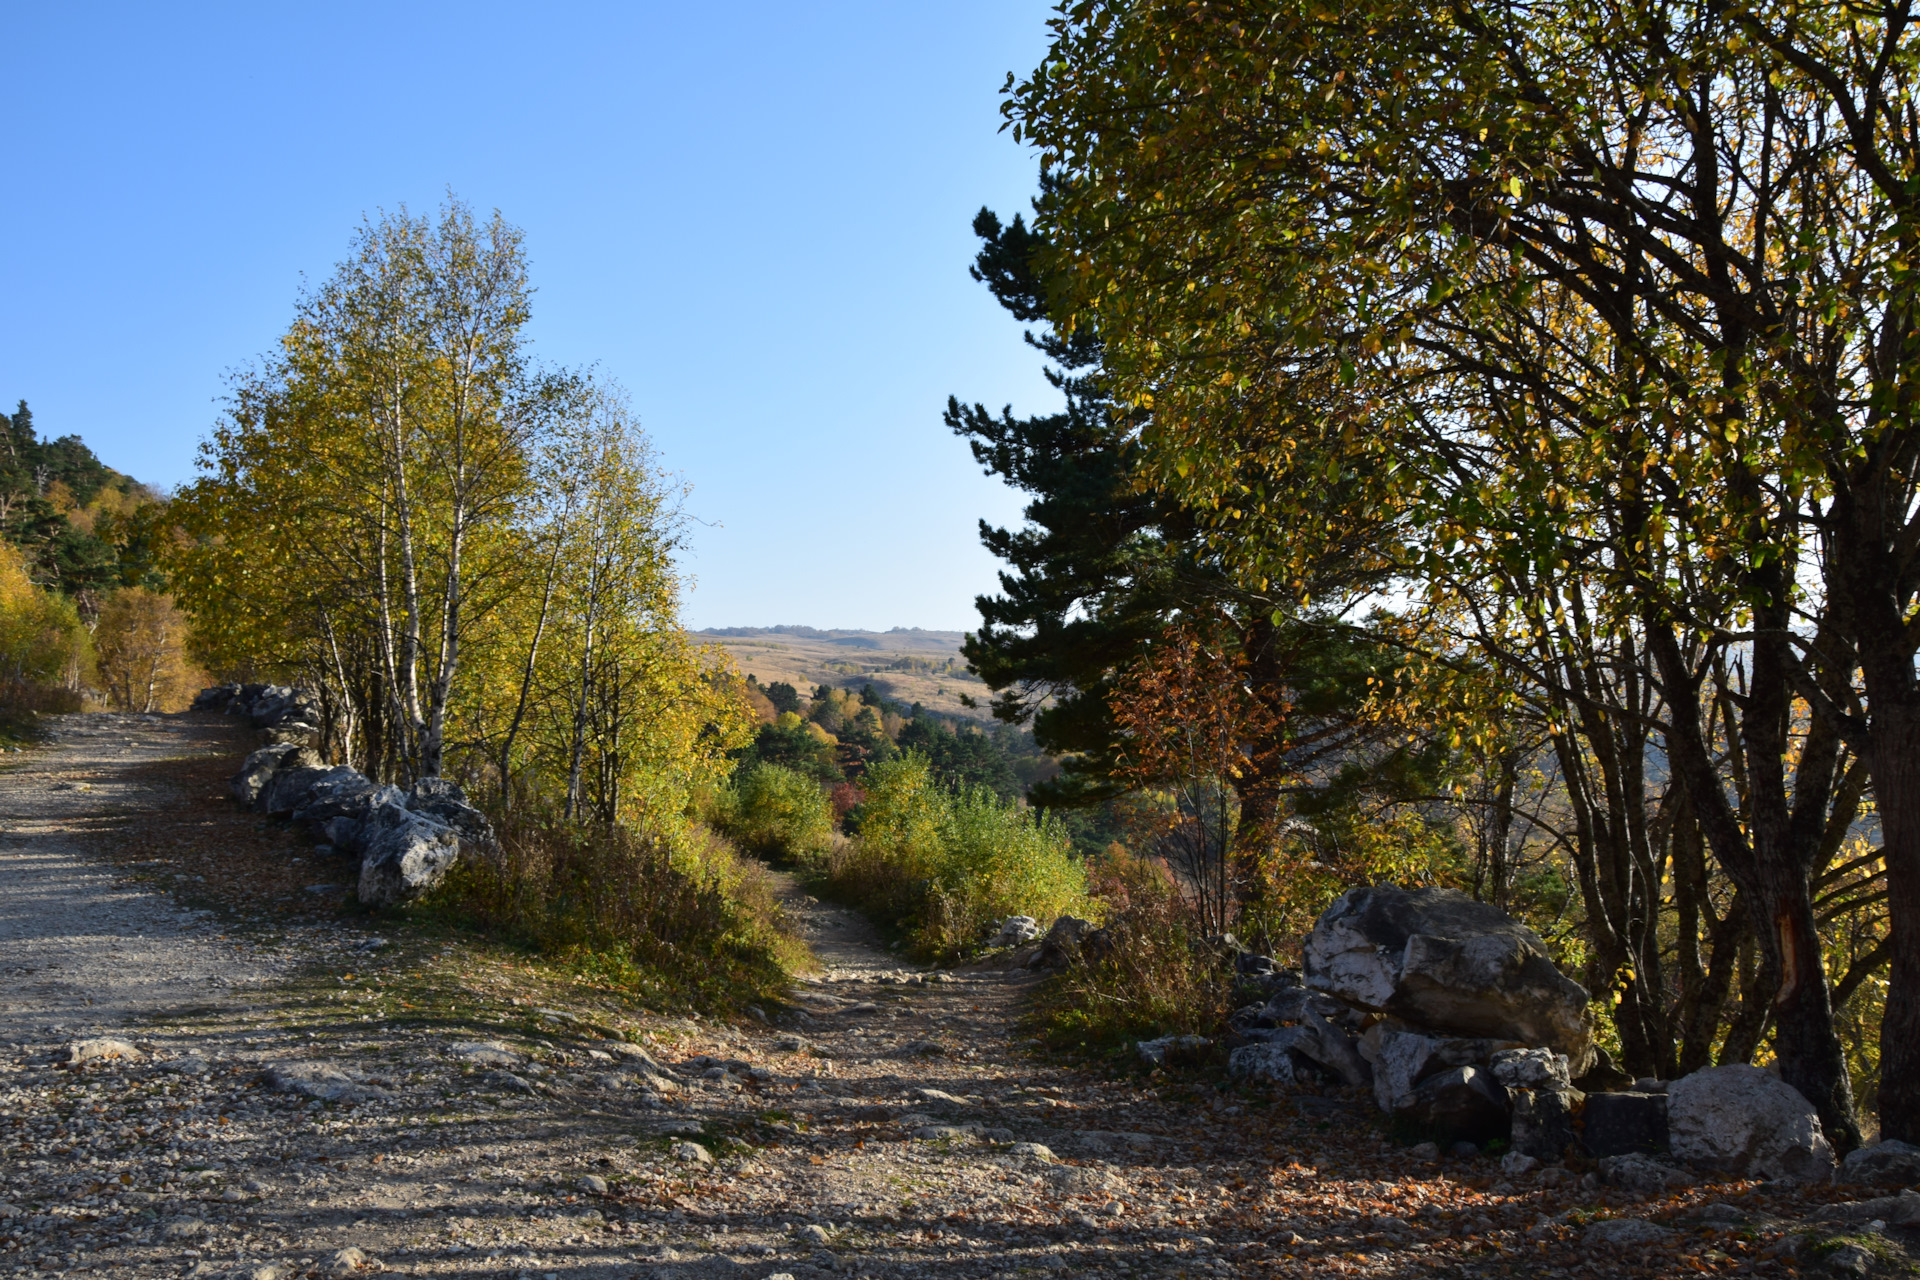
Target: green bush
point(943, 866)
point(776, 812)
point(677, 918)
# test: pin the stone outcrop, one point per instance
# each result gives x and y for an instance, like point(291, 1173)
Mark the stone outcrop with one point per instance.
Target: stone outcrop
point(1450, 1010)
point(1062, 944)
point(257, 770)
point(1740, 1120)
point(1439, 960)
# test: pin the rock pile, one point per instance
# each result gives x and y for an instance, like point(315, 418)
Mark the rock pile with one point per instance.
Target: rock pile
point(1454, 1015)
point(403, 842)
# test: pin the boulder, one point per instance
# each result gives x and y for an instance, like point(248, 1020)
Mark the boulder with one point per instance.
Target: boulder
point(1891, 1163)
point(1400, 1059)
point(1015, 930)
point(1740, 1120)
point(1251, 964)
point(1438, 959)
point(344, 792)
point(403, 854)
point(1061, 947)
point(1290, 1004)
point(287, 789)
point(1601, 1076)
point(1542, 1125)
point(443, 800)
point(1618, 1124)
point(1172, 1049)
point(1902, 1210)
point(298, 732)
point(1267, 1062)
point(257, 770)
point(217, 698)
point(1462, 1104)
point(1333, 1049)
point(1403, 1057)
point(1530, 1069)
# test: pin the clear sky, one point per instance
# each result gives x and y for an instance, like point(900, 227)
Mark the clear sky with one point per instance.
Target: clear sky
point(754, 216)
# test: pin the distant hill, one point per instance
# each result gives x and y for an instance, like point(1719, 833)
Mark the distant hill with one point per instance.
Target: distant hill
point(907, 664)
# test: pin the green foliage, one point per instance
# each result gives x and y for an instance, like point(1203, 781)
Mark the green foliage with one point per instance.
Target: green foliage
point(941, 866)
point(772, 811)
point(792, 744)
point(962, 756)
point(783, 696)
point(684, 922)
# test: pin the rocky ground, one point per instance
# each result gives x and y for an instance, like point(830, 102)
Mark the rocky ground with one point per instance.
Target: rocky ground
point(273, 1084)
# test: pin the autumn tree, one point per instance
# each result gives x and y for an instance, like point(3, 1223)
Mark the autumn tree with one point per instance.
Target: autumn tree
point(470, 558)
point(140, 646)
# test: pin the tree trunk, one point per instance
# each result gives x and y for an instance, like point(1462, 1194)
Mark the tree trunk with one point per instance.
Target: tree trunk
point(1896, 787)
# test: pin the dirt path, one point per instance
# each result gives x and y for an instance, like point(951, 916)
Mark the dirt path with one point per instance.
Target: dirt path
point(334, 1083)
point(85, 942)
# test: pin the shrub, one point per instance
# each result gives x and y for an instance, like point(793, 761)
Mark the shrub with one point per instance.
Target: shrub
point(684, 920)
point(943, 866)
point(776, 812)
point(1157, 977)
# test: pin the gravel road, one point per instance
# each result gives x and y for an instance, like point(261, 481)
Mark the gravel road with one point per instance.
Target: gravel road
point(84, 945)
point(294, 1089)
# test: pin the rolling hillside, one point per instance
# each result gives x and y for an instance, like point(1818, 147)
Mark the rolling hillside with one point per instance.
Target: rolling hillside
point(905, 664)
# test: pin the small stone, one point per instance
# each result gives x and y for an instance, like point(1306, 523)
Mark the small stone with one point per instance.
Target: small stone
point(232, 1195)
point(936, 1096)
point(1851, 1260)
point(184, 1229)
point(1515, 1165)
point(1625, 1232)
point(942, 1133)
point(1463, 1150)
point(594, 1185)
point(814, 1233)
point(1032, 1151)
point(487, 1053)
point(1424, 1151)
point(102, 1047)
point(507, 1080)
point(691, 1153)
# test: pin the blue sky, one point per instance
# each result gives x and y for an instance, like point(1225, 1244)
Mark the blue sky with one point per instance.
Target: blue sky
point(755, 217)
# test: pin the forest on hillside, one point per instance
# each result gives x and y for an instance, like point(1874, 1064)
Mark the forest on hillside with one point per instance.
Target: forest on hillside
point(82, 594)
